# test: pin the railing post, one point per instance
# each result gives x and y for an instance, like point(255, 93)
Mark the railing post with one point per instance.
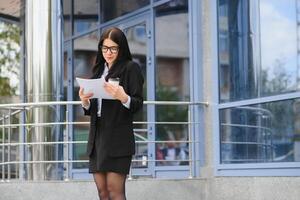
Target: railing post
point(3, 148)
point(22, 136)
point(190, 143)
point(130, 173)
point(9, 147)
point(66, 147)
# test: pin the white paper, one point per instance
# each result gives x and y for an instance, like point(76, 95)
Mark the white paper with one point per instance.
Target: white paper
point(96, 86)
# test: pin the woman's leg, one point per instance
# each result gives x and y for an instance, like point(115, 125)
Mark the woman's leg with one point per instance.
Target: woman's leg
point(116, 185)
point(100, 180)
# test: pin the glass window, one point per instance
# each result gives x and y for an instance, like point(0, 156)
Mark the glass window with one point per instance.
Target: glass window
point(257, 56)
point(10, 88)
point(9, 62)
point(279, 53)
point(85, 51)
point(172, 80)
point(85, 15)
point(268, 132)
point(116, 8)
point(67, 18)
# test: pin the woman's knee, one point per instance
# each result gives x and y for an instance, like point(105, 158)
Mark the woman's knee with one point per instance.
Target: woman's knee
point(115, 186)
point(111, 188)
point(100, 180)
point(102, 190)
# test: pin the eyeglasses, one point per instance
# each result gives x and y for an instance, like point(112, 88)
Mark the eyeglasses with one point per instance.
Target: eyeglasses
point(112, 49)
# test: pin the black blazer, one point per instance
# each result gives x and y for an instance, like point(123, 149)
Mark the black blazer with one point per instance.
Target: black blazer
point(116, 119)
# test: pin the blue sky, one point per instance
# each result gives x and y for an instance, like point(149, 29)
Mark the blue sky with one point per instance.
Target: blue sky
point(278, 29)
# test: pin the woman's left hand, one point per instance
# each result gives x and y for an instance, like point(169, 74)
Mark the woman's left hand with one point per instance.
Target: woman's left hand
point(116, 91)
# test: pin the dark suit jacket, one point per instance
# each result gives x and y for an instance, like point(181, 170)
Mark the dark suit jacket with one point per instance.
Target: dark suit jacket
point(116, 119)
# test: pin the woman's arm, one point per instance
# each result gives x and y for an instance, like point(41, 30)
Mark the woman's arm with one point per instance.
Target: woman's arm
point(135, 87)
point(85, 101)
point(132, 98)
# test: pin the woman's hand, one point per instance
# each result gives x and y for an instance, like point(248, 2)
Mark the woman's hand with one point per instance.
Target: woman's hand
point(116, 91)
point(85, 97)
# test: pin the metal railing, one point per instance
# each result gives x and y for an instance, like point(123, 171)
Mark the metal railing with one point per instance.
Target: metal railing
point(6, 128)
point(262, 131)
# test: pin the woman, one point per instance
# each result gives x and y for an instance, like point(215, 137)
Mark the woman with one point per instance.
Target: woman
point(111, 139)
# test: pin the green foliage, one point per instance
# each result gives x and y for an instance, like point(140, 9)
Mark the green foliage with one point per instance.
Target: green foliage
point(169, 113)
point(280, 80)
point(9, 56)
point(5, 88)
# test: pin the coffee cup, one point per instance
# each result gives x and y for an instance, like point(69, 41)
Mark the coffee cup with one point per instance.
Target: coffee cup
point(114, 81)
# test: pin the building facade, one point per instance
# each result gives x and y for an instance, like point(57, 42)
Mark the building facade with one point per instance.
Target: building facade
point(229, 70)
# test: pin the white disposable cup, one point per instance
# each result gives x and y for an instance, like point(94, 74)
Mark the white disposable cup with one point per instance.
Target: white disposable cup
point(114, 81)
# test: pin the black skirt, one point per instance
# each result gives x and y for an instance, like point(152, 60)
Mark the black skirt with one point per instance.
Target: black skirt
point(100, 161)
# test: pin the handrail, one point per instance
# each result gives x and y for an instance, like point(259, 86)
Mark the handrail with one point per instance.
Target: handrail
point(86, 123)
point(16, 108)
point(84, 142)
point(57, 103)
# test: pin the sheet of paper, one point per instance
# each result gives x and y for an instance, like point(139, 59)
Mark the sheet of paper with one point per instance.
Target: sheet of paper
point(96, 86)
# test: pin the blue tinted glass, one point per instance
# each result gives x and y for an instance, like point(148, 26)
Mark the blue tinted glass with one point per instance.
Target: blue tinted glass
point(67, 18)
point(172, 80)
point(257, 55)
point(115, 8)
point(279, 32)
point(85, 15)
point(268, 132)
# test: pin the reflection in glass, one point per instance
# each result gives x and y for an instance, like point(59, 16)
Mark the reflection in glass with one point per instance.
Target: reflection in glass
point(172, 79)
point(67, 18)
point(257, 56)
point(268, 132)
point(9, 93)
point(279, 55)
point(10, 53)
point(137, 41)
point(85, 15)
point(85, 51)
point(10, 66)
point(237, 72)
point(116, 8)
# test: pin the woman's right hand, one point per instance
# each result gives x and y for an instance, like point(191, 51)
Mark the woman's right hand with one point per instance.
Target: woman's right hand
point(85, 97)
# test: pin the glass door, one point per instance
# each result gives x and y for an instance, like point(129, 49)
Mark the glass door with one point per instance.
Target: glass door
point(139, 36)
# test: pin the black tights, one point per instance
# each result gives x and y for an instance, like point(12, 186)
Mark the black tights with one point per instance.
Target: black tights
point(110, 185)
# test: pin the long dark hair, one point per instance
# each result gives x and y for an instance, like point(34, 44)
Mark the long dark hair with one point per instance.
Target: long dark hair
point(124, 55)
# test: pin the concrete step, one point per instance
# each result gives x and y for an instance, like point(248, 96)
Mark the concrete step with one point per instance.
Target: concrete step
point(146, 189)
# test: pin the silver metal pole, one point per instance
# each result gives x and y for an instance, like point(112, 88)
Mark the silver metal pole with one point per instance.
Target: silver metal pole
point(3, 149)
point(66, 148)
point(51, 103)
point(9, 147)
point(190, 143)
point(41, 81)
point(130, 173)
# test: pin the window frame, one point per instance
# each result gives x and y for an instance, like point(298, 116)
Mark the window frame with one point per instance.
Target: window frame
point(245, 169)
point(194, 41)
